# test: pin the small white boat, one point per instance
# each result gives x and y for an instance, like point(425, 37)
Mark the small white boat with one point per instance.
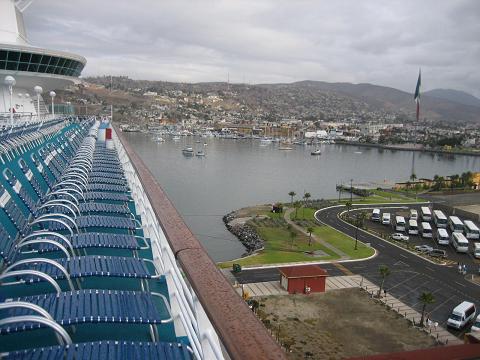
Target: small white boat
point(159, 139)
point(285, 147)
point(205, 144)
point(200, 153)
point(188, 151)
point(176, 138)
point(316, 152)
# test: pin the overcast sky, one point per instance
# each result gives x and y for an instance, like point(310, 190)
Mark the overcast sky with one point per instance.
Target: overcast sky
point(257, 41)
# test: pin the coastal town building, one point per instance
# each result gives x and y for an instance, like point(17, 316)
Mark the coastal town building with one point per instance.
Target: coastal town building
point(303, 279)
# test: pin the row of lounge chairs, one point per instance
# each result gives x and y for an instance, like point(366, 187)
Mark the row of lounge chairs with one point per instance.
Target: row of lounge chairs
point(73, 255)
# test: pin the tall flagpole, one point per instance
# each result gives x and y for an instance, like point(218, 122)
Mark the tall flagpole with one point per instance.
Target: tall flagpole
point(416, 98)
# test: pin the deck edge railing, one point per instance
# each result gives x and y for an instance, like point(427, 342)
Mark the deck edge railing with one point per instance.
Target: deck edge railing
point(208, 307)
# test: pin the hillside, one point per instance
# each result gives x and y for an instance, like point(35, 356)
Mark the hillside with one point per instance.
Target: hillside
point(309, 100)
point(433, 108)
point(457, 96)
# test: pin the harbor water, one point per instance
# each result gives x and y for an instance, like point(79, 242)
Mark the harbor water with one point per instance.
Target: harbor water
point(239, 173)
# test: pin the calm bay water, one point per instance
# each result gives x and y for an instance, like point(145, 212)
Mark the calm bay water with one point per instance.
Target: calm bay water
point(239, 173)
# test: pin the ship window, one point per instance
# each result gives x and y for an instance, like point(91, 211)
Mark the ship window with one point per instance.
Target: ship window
point(12, 65)
point(22, 66)
point(2, 64)
point(46, 59)
point(35, 58)
point(3, 55)
point(33, 67)
point(50, 69)
point(54, 61)
point(56, 70)
point(25, 57)
point(13, 56)
point(42, 68)
point(61, 62)
point(68, 63)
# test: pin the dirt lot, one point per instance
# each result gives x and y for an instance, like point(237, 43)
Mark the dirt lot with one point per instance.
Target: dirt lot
point(338, 324)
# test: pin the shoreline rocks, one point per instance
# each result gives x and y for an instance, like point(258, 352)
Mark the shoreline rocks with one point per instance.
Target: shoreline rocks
point(246, 234)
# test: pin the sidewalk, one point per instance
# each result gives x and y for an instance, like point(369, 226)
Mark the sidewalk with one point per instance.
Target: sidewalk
point(340, 253)
point(410, 314)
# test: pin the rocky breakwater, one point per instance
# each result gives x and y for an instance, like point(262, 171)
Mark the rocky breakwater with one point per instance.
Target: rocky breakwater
point(245, 233)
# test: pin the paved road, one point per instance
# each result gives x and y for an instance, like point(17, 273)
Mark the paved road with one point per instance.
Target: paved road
point(272, 274)
point(410, 274)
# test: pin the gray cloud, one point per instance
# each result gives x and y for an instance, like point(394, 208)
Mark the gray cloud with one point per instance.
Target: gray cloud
point(381, 42)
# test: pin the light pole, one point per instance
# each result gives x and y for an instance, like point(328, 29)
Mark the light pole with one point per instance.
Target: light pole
point(20, 96)
point(10, 82)
point(38, 90)
point(351, 190)
point(52, 95)
point(27, 97)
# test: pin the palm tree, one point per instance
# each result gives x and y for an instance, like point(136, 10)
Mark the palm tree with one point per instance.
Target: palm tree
point(408, 185)
point(384, 272)
point(425, 298)
point(297, 205)
point(466, 179)
point(306, 196)
point(348, 205)
point(413, 177)
point(292, 195)
point(453, 181)
point(310, 230)
point(292, 234)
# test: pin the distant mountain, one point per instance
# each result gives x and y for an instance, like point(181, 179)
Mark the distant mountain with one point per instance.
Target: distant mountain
point(388, 98)
point(457, 96)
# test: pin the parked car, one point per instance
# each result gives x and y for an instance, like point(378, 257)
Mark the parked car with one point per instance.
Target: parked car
point(423, 248)
point(400, 237)
point(438, 253)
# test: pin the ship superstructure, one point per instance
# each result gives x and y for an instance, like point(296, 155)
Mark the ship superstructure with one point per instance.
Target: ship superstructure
point(95, 262)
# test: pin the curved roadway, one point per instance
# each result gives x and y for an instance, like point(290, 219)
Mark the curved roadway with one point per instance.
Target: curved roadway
point(410, 274)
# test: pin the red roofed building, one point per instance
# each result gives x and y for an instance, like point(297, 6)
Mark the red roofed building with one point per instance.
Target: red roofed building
point(303, 279)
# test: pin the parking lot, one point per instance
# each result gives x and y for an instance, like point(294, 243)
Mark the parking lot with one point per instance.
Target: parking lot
point(410, 275)
point(472, 264)
point(406, 285)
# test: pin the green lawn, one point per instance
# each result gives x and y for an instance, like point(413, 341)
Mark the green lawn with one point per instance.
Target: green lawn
point(303, 214)
point(343, 242)
point(380, 196)
point(279, 248)
point(332, 236)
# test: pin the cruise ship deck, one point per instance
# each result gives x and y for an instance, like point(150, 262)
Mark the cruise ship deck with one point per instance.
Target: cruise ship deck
point(97, 263)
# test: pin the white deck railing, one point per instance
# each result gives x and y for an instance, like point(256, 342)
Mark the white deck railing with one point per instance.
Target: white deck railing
point(189, 316)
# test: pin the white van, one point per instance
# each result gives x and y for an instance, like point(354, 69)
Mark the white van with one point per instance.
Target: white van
point(399, 223)
point(412, 227)
point(476, 325)
point(471, 230)
point(462, 315)
point(386, 219)
point(413, 214)
point(476, 250)
point(426, 230)
point(376, 215)
point(442, 237)
point(459, 242)
point(455, 224)
point(426, 213)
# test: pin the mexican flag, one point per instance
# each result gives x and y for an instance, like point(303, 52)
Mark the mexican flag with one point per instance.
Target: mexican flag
point(417, 92)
